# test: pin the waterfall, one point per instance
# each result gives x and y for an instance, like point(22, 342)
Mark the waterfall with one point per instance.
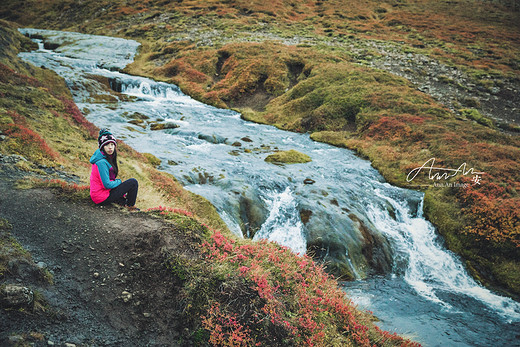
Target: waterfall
point(431, 270)
point(144, 89)
point(283, 225)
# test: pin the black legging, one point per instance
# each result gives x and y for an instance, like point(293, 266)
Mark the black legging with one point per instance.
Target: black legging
point(128, 187)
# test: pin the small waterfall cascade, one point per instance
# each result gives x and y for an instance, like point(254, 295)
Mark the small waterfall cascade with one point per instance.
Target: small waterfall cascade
point(283, 224)
point(428, 267)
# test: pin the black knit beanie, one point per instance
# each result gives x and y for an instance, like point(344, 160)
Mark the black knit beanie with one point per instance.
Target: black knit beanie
point(105, 137)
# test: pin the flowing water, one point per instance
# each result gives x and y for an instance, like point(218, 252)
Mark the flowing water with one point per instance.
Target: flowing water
point(426, 293)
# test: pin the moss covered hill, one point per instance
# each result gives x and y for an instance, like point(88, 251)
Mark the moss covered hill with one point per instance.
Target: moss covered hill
point(307, 66)
point(208, 286)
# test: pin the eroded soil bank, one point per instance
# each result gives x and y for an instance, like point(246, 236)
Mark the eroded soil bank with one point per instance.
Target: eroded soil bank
point(110, 287)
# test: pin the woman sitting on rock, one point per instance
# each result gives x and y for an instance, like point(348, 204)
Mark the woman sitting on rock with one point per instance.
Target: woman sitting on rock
point(104, 187)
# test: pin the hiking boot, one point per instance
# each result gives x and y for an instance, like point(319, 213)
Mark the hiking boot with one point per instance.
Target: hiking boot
point(132, 209)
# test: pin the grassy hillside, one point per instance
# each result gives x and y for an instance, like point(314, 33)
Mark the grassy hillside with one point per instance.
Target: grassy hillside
point(304, 66)
point(232, 292)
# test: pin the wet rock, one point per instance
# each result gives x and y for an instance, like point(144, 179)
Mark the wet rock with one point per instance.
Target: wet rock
point(138, 122)
point(246, 139)
point(309, 181)
point(13, 295)
point(376, 249)
point(216, 139)
point(139, 116)
point(162, 126)
point(236, 144)
point(305, 215)
point(253, 213)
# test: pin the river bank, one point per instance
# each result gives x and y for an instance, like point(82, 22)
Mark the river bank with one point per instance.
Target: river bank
point(101, 261)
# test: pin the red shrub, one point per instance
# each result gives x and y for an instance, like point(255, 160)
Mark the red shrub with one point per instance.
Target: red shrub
point(299, 298)
point(29, 143)
point(389, 128)
point(74, 113)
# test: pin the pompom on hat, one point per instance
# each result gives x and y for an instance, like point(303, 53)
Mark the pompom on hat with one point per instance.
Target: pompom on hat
point(105, 137)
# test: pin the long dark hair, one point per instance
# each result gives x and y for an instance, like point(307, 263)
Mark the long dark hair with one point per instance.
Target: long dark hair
point(112, 159)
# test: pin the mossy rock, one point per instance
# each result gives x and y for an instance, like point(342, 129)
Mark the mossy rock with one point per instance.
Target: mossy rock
point(137, 115)
point(475, 115)
point(288, 157)
point(152, 159)
point(161, 126)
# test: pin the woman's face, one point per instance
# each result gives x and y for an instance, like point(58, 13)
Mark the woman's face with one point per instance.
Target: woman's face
point(109, 148)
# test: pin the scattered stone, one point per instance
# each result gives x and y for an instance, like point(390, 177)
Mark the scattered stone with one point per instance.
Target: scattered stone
point(126, 296)
point(11, 159)
point(147, 315)
point(246, 139)
point(67, 344)
point(309, 181)
point(13, 295)
point(96, 275)
point(50, 343)
point(236, 144)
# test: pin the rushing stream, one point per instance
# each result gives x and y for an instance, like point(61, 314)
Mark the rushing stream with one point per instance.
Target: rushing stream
point(415, 286)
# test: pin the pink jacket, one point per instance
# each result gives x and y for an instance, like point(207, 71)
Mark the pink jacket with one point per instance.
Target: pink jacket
point(101, 181)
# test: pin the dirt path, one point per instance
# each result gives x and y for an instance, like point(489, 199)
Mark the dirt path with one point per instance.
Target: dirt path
point(95, 254)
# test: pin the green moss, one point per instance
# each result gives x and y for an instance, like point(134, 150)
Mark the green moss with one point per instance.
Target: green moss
point(10, 248)
point(5, 225)
point(288, 157)
point(336, 138)
point(475, 115)
point(152, 159)
point(179, 266)
point(506, 271)
point(441, 209)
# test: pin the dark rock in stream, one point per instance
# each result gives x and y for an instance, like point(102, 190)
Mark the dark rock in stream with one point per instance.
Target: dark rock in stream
point(212, 138)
